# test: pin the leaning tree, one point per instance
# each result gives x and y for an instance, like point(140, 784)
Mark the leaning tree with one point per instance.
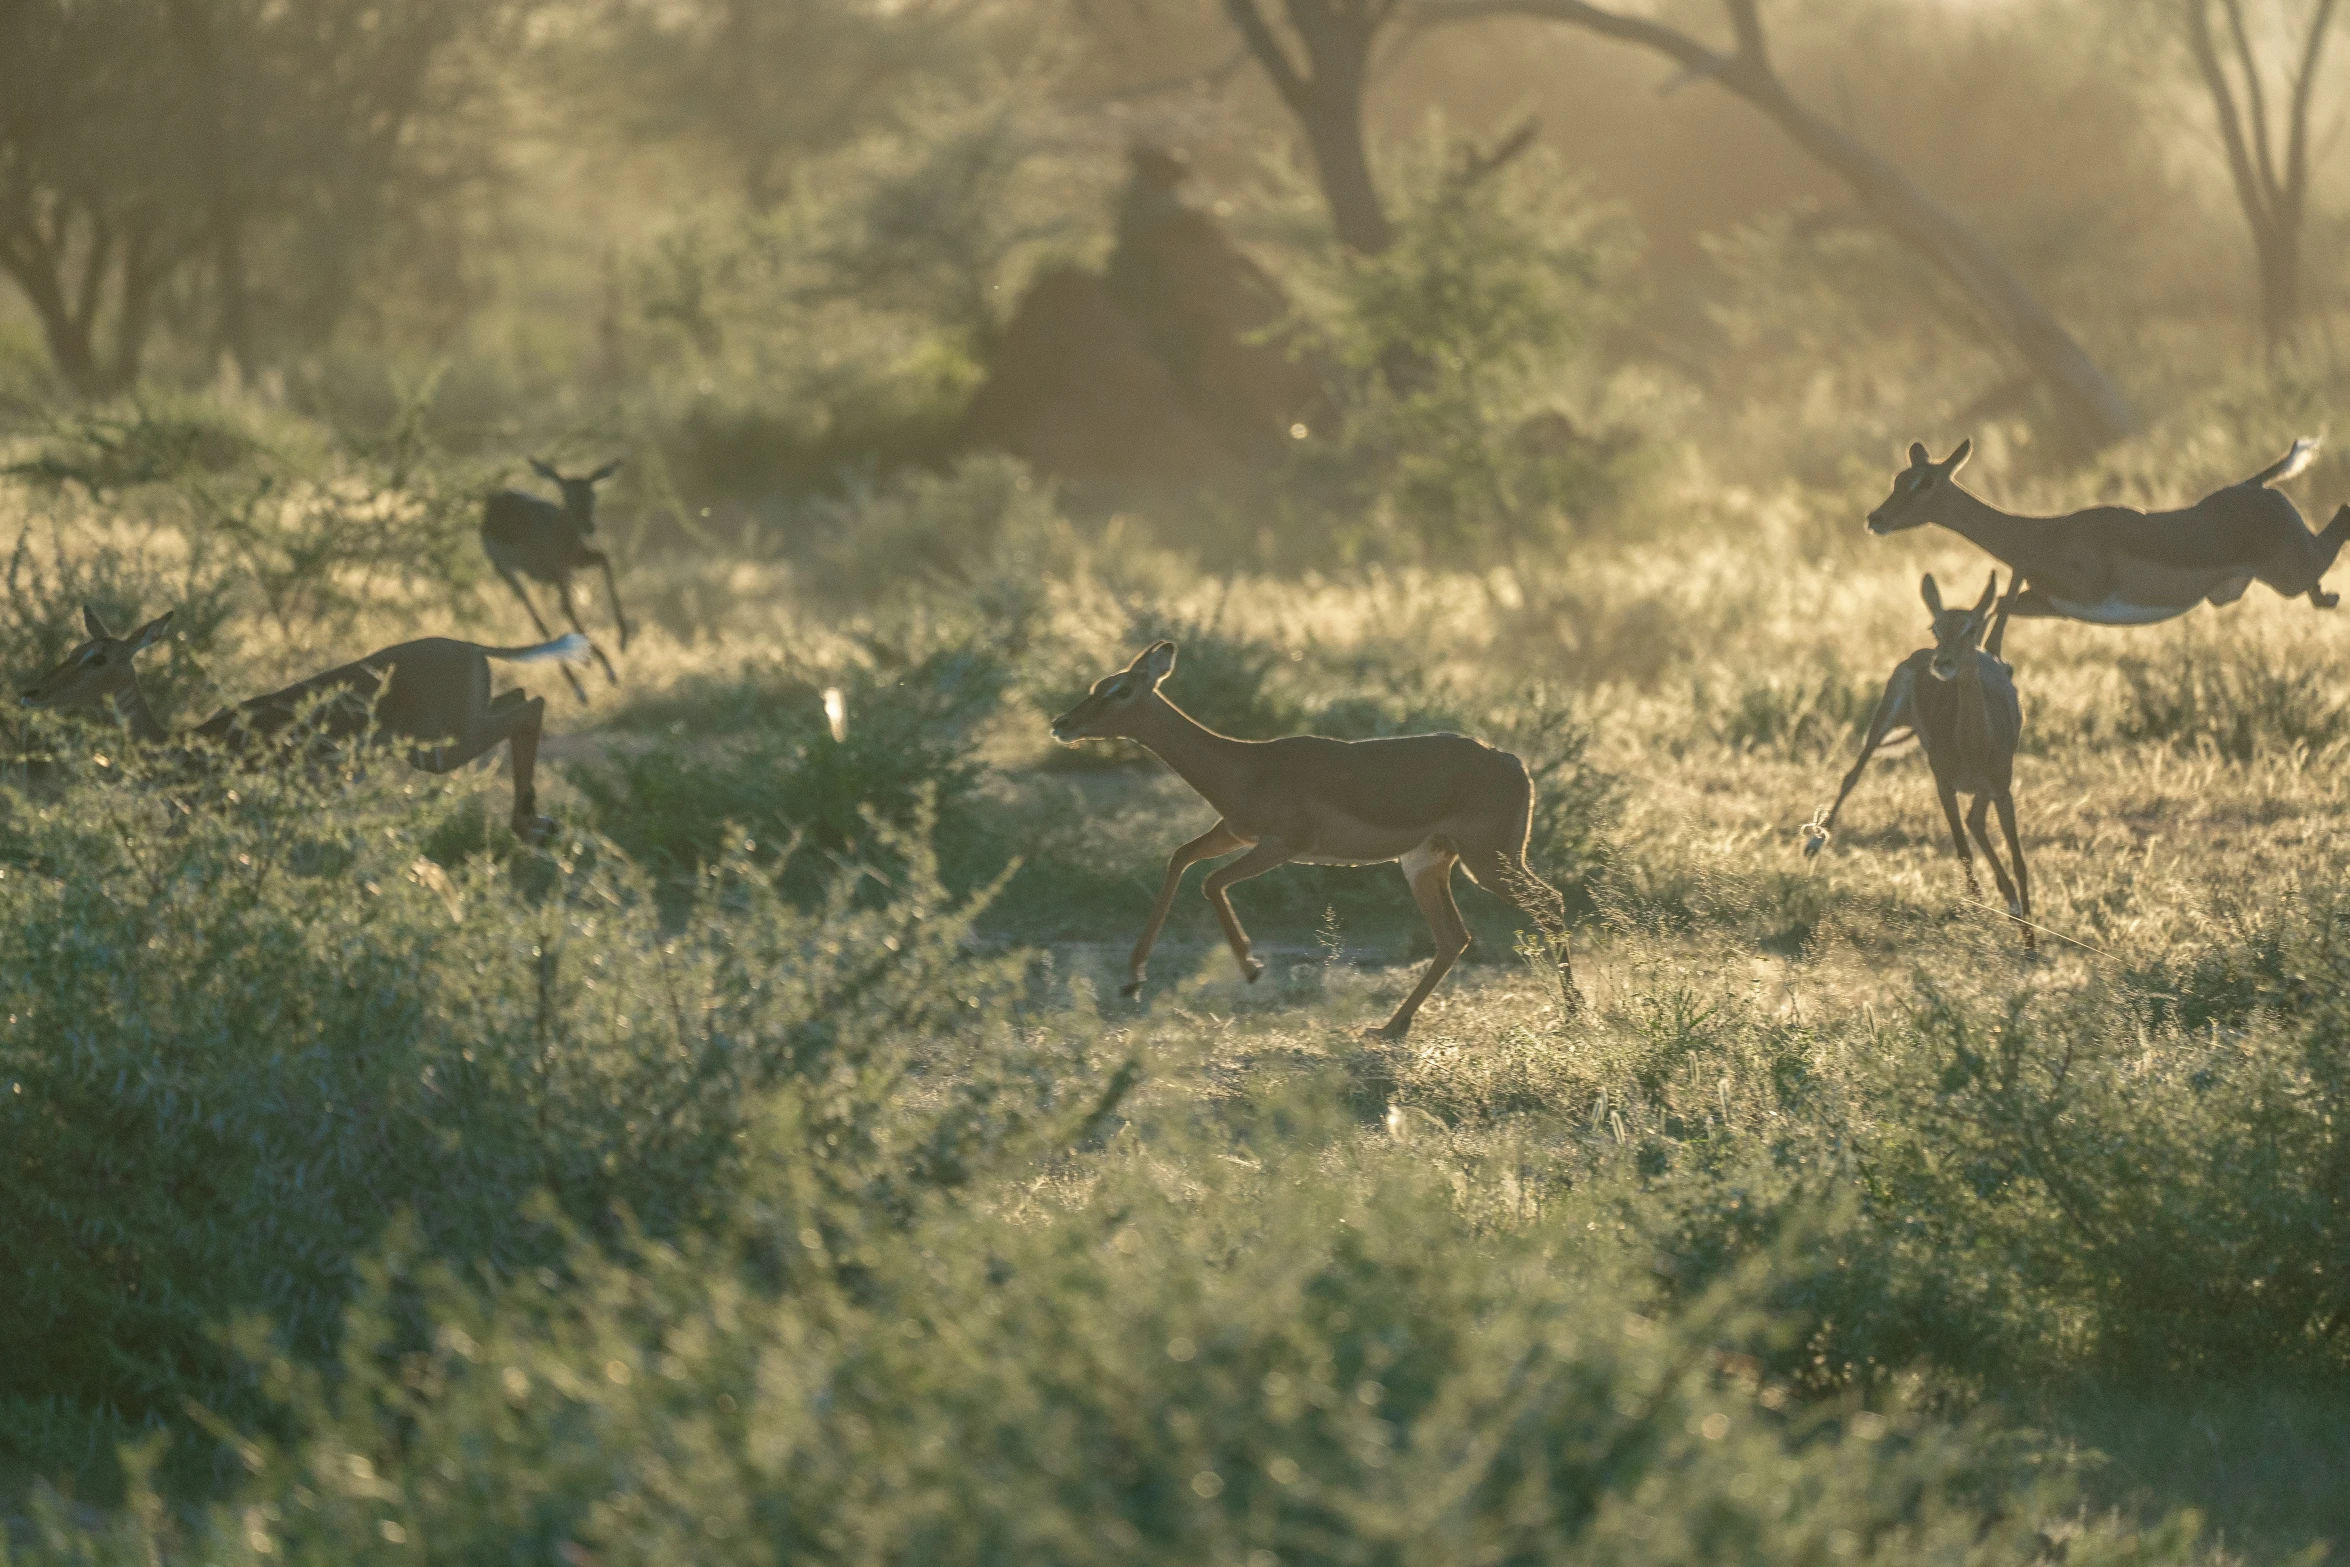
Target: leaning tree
point(2090, 408)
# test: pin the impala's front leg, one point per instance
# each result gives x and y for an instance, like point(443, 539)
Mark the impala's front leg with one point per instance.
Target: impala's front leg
point(1890, 708)
point(1217, 840)
point(1267, 854)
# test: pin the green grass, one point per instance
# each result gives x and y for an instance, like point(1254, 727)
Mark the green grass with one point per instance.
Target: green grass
point(658, 1195)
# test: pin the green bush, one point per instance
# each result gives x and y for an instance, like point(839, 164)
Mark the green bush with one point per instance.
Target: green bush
point(237, 1043)
point(1455, 442)
point(776, 772)
point(2183, 1193)
point(1271, 1365)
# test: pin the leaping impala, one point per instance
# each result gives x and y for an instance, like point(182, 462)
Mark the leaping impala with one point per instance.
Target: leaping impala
point(2118, 566)
point(1960, 701)
point(527, 534)
point(1428, 802)
point(431, 698)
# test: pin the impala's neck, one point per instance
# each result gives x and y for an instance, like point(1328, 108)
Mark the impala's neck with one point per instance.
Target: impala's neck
point(130, 705)
point(1996, 532)
point(1202, 758)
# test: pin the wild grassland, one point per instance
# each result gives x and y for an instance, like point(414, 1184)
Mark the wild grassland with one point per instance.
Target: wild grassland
point(629, 1200)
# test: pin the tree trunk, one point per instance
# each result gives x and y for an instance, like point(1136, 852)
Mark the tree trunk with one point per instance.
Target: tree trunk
point(1334, 134)
point(2280, 287)
point(1326, 95)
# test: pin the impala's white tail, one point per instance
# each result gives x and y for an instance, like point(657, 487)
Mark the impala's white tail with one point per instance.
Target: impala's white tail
point(2290, 466)
point(569, 647)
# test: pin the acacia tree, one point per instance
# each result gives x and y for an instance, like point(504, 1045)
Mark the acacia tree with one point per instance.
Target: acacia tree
point(2271, 185)
point(255, 152)
point(2089, 407)
point(765, 83)
point(1325, 91)
point(95, 215)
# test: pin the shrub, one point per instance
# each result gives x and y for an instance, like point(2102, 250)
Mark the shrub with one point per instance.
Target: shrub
point(780, 776)
point(231, 1049)
point(2182, 1193)
point(1453, 440)
point(1272, 1365)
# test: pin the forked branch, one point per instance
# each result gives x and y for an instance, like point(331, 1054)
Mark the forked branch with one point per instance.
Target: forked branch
point(2274, 203)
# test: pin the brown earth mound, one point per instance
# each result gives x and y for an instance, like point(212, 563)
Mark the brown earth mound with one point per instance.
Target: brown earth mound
point(1155, 377)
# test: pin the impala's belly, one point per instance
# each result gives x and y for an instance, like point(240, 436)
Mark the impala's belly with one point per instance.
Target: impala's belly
point(2115, 610)
point(1343, 840)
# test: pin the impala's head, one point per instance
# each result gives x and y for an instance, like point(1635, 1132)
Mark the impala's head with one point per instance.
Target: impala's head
point(1915, 488)
point(1957, 632)
point(579, 495)
point(1109, 707)
point(98, 670)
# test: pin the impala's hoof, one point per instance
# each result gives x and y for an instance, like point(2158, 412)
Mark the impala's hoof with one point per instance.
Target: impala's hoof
point(1388, 1032)
point(1251, 970)
point(534, 829)
point(1131, 989)
point(1814, 841)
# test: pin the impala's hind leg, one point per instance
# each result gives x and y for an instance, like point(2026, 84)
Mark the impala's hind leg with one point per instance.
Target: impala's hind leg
point(2023, 877)
point(2329, 545)
point(571, 613)
point(1977, 823)
point(1966, 856)
point(513, 719)
point(1429, 869)
point(1508, 875)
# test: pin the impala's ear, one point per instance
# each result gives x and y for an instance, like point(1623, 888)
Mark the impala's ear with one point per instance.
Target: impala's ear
point(545, 472)
point(605, 472)
point(1931, 594)
point(151, 633)
point(1156, 662)
point(93, 625)
point(1917, 455)
point(1957, 460)
point(1990, 592)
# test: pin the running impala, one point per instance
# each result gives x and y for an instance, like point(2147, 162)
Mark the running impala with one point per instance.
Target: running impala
point(2118, 566)
point(1426, 802)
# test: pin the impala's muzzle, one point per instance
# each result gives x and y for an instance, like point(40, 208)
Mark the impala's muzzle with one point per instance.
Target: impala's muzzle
point(1068, 729)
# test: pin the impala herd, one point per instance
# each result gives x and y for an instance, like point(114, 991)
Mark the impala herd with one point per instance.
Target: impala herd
point(1427, 802)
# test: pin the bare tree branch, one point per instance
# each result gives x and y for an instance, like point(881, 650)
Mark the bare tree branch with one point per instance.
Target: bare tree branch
point(2255, 96)
point(1288, 80)
point(2093, 411)
point(2297, 148)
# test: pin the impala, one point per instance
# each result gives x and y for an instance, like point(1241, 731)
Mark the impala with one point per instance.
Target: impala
point(431, 698)
point(1959, 699)
point(525, 535)
point(2118, 566)
point(1427, 802)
